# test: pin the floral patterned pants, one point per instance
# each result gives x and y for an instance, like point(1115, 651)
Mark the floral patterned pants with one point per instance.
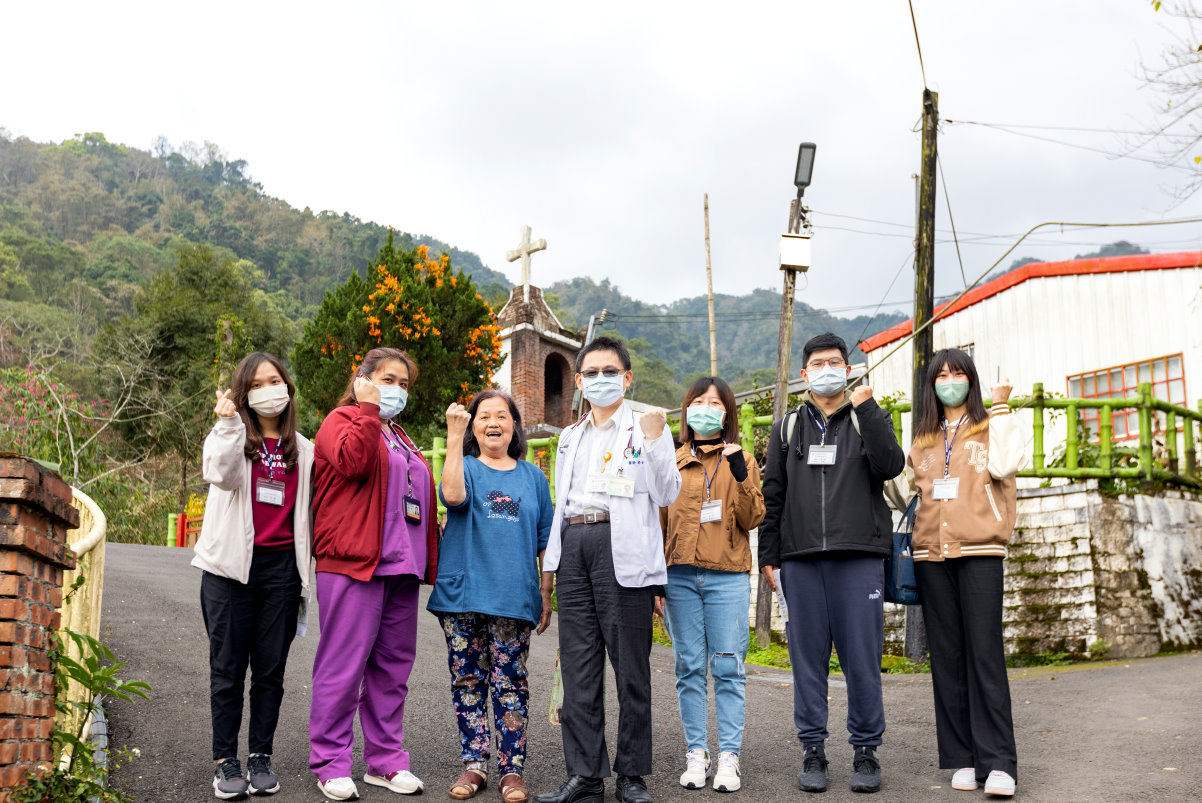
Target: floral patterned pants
point(487, 654)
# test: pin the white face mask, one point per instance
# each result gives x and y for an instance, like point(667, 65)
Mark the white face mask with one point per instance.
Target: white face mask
point(269, 400)
point(828, 380)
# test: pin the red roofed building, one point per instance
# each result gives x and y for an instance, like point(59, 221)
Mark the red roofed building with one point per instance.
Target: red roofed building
point(1084, 328)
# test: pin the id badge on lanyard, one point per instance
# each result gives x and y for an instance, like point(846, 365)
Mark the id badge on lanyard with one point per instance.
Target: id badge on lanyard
point(945, 488)
point(711, 511)
point(269, 492)
point(820, 454)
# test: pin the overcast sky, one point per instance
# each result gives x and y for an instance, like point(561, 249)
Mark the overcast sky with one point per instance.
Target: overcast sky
point(601, 125)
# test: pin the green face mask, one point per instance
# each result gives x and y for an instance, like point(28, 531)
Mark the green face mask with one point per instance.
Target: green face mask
point(952, 393)
point(705, 421)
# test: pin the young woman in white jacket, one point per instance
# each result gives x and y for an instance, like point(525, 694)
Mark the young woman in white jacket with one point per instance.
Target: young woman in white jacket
point(254, 549)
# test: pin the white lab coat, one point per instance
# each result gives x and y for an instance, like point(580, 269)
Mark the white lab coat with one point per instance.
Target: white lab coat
point(636, 539)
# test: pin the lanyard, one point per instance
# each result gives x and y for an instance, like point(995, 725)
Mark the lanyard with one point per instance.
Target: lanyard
point(947, 447)
point(708, 479)
point(268, 459)
point(821, 426)
point(398, 446)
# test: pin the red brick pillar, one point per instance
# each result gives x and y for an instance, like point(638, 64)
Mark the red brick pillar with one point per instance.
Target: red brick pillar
point(35, 514)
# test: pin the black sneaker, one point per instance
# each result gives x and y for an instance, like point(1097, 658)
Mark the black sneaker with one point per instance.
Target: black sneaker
point(866, 771)
point(228, 783)
point(812, 777)
point(262, 779)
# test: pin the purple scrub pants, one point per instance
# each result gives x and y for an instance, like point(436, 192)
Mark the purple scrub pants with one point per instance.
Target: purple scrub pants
point(364, 657)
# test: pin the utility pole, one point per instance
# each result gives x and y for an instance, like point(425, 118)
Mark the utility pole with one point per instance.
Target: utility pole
point(924, 310)
point(794, 256)
point(709, 289)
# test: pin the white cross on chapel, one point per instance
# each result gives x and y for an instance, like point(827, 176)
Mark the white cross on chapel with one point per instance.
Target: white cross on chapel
point(523, 253)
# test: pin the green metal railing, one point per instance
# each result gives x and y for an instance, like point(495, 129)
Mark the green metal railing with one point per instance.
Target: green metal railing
point(1176, 463)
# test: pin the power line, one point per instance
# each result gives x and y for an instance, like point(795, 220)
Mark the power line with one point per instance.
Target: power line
point(918, 45)
point(1072, 128)
point(908, 260)
point(1078, 146)
point(947, 200)
point(1070, 225)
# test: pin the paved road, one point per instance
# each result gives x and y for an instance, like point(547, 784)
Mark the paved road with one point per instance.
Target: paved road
point(1126, 731)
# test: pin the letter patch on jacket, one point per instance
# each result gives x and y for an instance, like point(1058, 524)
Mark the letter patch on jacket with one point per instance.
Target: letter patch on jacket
point(979, 459)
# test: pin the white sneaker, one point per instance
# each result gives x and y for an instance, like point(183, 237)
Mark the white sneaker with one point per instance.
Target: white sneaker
point(697, 769)
point(403, 782)
point(339, 789)
point(965, 779)
point(727, 779)
point(999, 783)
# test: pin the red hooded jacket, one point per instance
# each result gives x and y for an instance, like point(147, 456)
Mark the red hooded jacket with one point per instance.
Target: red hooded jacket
point(351, 481)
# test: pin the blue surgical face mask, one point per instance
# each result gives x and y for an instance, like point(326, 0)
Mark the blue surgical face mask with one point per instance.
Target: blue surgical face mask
point(602, 390)
point(706, 421)
point(392, 400)
point(828, 380)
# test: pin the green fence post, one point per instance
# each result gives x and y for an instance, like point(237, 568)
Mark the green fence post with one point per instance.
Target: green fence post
point(897, 424)
point(1145, 431)
point(172, 527)
point(439, 451)
point(746, 427)
point(1170, 439)
point(554, 448)
point(1070, 442)
point(1037, 406)
point(1106, 435)
point(1191, 455)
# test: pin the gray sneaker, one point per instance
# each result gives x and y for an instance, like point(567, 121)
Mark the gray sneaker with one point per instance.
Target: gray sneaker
point(228, 783)
point(262, 779)
point(812, 777)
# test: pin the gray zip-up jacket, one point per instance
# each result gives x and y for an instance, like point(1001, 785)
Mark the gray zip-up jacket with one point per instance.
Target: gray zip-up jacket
point(814, 509)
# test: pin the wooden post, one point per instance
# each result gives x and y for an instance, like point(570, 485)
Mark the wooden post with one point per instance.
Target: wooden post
point(709, 289)
point(924, 310)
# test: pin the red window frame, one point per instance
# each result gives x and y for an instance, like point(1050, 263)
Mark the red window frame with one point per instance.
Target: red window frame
point(1123, 380)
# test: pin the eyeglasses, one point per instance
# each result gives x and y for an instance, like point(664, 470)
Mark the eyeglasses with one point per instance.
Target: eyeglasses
point(834, 362)
point(608, 373)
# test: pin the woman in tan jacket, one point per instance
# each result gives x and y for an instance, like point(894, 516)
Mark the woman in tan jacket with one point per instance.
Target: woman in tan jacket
point(963, 463)
point(708, 554)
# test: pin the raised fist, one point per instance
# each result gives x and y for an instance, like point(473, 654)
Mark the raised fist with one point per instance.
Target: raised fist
point(861, 394)
point(366, 391)
point(225, 408)
point(653, 422)
point(457, 420)
point(1001, 391)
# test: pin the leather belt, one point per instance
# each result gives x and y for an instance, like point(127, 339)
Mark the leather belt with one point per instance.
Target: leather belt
point(588, 518)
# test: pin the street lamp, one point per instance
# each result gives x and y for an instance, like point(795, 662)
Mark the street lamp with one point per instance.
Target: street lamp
point(805, 167)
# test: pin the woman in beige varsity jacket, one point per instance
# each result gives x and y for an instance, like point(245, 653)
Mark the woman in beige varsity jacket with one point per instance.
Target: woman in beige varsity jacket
point(962, 464)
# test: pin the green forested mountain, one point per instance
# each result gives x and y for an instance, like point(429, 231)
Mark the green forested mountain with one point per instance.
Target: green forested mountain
point(107, 216)
point(678, 334)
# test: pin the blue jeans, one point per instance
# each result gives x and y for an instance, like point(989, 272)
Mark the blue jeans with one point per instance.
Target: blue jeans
point(707, 614)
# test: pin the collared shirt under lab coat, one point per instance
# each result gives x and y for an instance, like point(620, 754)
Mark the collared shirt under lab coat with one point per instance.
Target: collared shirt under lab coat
point(636, 539)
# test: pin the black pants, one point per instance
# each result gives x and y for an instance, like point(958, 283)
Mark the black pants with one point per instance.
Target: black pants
point(962, 609)
point(250, 624)
point(836, 600)
point(595, 615)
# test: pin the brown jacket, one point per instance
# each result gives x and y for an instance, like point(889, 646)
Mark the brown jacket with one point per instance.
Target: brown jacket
point(979, 520)
point(722, 545)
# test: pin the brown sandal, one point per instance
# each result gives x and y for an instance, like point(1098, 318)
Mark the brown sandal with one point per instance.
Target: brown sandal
point(468, 785)
point(513, 789)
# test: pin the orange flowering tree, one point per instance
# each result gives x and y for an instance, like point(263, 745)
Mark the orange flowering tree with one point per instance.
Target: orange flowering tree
point(410, 301)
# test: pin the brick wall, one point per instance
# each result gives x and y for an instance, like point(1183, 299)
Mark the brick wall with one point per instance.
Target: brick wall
point(35, 513)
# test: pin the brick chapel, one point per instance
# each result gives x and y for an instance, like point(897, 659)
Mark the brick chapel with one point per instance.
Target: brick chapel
point(540, 354)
